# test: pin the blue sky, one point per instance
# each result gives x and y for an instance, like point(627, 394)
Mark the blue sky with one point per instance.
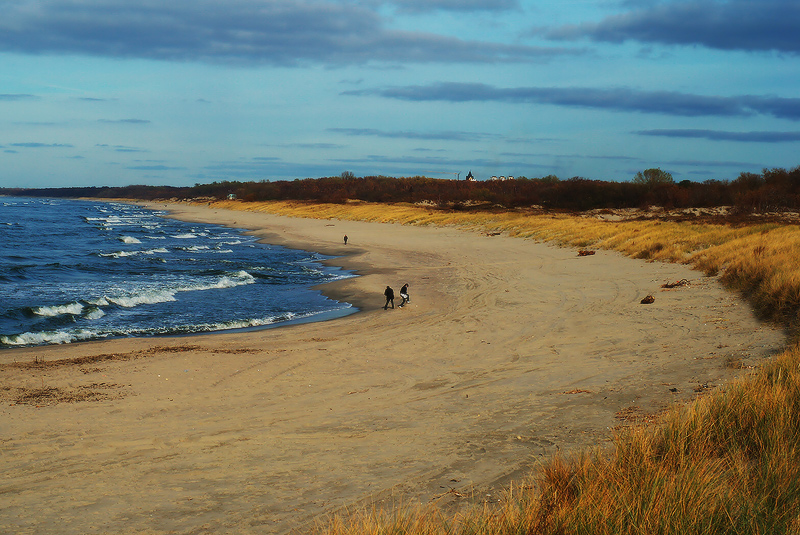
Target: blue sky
point(119, 92)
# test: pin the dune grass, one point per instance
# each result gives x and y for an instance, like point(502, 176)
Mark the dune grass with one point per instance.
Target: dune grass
point(727, 463)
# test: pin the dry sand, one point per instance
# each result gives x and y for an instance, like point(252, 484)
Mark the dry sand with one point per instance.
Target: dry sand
point(508, 351)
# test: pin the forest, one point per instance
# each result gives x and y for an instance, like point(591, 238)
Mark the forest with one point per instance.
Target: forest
point(774, 189)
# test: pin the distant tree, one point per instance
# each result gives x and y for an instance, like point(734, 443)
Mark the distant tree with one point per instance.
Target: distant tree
point(348, 175)
point(653, 177)
point(749, 181)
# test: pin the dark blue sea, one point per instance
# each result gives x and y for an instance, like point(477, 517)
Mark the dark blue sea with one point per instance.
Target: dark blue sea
point(81, 270)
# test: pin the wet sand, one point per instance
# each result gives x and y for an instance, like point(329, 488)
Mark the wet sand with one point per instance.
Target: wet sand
point(508, 351)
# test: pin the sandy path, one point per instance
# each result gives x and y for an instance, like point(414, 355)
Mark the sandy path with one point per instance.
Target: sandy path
point(508, 350)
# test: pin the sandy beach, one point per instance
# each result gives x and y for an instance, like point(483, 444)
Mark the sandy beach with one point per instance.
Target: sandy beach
point(509, 351)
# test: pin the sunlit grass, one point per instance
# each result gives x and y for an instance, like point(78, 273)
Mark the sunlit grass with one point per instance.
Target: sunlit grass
point(727, 463)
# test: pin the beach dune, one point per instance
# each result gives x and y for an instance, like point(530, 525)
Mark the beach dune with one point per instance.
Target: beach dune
point(509, 351)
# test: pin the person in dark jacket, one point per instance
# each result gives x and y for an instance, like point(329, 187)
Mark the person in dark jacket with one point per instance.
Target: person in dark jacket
point(389, 293)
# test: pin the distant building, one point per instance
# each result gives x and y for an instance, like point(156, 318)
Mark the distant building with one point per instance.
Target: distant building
point(470, 178)
point(231, 196)
point(493, 178)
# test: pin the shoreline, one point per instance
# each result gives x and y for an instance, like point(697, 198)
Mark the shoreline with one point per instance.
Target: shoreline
point(509, 351)
point(345, 257)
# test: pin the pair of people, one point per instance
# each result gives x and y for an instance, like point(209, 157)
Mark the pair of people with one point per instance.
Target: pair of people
point(389, 294)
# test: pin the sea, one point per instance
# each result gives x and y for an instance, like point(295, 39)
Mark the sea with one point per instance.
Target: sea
point(74, 270)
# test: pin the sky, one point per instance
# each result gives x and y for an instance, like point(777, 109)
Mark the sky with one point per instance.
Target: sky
point(121, 92)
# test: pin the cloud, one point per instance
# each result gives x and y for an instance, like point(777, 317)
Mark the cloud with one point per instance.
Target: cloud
point(717, 135)
point(155, 168)
point(727, 25)
point(120, 148)
point(417, 6)
point(39, 123)
point(278, 32)
point(616, 99)
point(124, 121)
point(16, 96)
point(12, 97)
point(433, 161)
point(446, 136)
point(36, 145)
point(715, 163)
point(313, 146)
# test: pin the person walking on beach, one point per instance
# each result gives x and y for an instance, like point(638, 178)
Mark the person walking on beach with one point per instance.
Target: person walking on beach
point(345, 239)
point(404, 295)
point(389, 293)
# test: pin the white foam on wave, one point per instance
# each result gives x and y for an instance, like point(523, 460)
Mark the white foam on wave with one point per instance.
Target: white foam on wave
point(226, 281)
point(48, 337)
point(129, 239)
point(185, 236)
point(58, 310)
point(242, 324)
point(149, 297)
point(94, 314)
point(123, 254)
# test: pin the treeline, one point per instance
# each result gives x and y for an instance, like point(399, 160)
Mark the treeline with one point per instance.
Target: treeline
point(772, 189)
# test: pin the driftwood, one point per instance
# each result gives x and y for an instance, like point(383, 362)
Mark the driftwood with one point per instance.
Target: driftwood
point(585, 252)
point(682, 282)
point(647, 300)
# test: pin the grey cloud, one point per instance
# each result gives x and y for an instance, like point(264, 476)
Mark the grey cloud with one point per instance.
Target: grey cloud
point(717, 135)
point(617, 99)
point(432, 161)
point(279, 32)
point(17, 96)
point(155, 168)
point(120, 148)
point(731, 25)
point(39, 123)
point(715, 163)
point(124, 121)
point(443, 136)
point(582, 156)
point(456, 5)
point(36, 145)
point(314, 146)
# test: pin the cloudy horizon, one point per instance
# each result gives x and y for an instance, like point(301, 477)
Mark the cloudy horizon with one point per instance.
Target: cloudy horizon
point(116, 92)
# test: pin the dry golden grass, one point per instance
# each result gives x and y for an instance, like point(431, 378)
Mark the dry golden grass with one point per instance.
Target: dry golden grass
point(727, 463)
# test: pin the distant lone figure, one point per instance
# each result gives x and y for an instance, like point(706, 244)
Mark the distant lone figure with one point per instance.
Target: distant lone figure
point(389, 293)
point(404, 295)
point(345, 239)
